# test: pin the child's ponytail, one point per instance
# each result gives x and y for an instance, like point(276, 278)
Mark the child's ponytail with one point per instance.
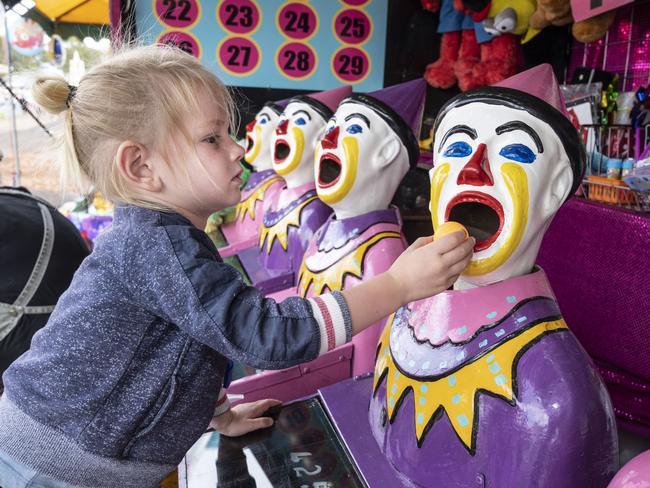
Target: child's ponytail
point(53, 93)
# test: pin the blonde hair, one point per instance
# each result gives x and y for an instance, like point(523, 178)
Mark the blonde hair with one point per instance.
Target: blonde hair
point(142, 94)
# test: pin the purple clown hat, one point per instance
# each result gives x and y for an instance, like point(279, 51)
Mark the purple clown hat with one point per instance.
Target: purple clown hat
point(537, 92)
point(324, 102)
point(540, 82)
point(401, 107)
point(277, 106)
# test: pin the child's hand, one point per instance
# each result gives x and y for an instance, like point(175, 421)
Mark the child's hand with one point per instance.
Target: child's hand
point(427, 267)
point(244, 418)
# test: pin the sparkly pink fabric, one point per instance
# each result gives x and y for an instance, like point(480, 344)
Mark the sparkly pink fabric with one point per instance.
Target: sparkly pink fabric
point(624, 51)
point(597, 259)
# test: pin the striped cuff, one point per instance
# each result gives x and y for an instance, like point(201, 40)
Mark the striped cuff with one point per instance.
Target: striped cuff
point(223, 405)
point(333, 317)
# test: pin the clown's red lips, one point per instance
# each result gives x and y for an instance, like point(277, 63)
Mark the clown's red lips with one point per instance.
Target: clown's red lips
point(329, 170)
point(481, 214)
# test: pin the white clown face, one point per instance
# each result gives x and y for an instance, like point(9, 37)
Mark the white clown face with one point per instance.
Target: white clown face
point(360, 161)
point(258, 139)
point(294, 140)
point(502, 173)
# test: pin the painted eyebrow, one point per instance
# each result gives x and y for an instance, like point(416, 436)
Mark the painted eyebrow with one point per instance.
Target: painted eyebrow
point(462, 129)
point(358, 116)
point(266, 114)
point(301, 112)
point(519, 125)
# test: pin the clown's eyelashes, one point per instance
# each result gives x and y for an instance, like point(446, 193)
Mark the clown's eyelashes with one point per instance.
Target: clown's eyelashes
point(457, 129)
point(519, 125)
point(358, 116)
point(519, 153)
point(304, 113)
point(458, 149)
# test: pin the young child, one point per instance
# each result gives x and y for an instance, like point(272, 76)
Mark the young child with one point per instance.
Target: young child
point(127, 373)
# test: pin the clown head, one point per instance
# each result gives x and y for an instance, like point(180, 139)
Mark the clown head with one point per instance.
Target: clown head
point(298, 131)
point(258, 136)
point(367, 149)
point(504, 162)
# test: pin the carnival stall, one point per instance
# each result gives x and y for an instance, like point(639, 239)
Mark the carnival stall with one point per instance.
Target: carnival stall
point(369, 123)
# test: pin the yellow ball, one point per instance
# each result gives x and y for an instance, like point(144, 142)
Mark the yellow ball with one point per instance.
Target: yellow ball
point(449, 228)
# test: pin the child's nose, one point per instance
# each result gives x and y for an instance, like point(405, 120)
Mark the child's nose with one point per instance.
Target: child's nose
point(281, 129)
point(238, 151)
point(477, 170)
point(331, 138)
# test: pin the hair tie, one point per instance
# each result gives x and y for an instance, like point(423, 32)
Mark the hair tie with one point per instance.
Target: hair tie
point(71, 93)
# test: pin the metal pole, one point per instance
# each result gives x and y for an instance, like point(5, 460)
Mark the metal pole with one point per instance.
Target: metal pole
point(14, 135)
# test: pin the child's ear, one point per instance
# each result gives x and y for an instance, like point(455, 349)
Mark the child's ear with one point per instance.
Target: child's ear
point(134, 164)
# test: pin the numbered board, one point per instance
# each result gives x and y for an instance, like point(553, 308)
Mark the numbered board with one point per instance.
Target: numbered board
point(307, 45)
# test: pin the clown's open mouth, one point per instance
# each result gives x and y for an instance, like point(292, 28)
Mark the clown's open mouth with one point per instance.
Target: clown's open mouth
point(329, 170)
point(249, 143)
point(480, 213)
point(282, 150)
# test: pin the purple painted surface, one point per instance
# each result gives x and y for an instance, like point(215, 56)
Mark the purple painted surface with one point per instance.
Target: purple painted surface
point(297, 381)
point(267, 280)
point(635, 474)
point(558, 434)
point(244, 232)
point(449, 355)
point(312, 217)
point(347, 404)
point(255, 179)
point(597, 259)
point(336, 233)
point(335, 242)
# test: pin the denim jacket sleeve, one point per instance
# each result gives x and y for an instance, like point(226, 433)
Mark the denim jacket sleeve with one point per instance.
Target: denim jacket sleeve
point(177, 274)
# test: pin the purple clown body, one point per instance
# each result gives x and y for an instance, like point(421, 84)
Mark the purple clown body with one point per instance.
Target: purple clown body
point(243, 231)
point(344, 253)
point(291, 218)
point(533, 412)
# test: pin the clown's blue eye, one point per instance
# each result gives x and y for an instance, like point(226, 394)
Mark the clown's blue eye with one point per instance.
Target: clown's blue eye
point(263, 121)
point(519, 153)
point(458, 149)
point(354, 129)
point(300, 121)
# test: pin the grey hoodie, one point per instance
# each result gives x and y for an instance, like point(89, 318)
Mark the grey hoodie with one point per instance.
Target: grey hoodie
point(125, 376)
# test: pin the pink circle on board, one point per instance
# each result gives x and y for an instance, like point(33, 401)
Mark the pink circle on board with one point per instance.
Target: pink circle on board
point(177, 13)
point(182, 40)
point(352, 26)
point(239, 16)
point(297, 20)
point(350, 64)
point(239, 55)
point(355, 3)
point(296, 60)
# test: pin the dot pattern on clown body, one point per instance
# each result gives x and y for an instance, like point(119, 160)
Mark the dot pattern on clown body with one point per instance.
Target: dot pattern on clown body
point(457, 392)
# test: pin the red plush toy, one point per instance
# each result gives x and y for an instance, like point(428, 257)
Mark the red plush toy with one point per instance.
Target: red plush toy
point(500, 58)
point(459, 50)
point(464, 59)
